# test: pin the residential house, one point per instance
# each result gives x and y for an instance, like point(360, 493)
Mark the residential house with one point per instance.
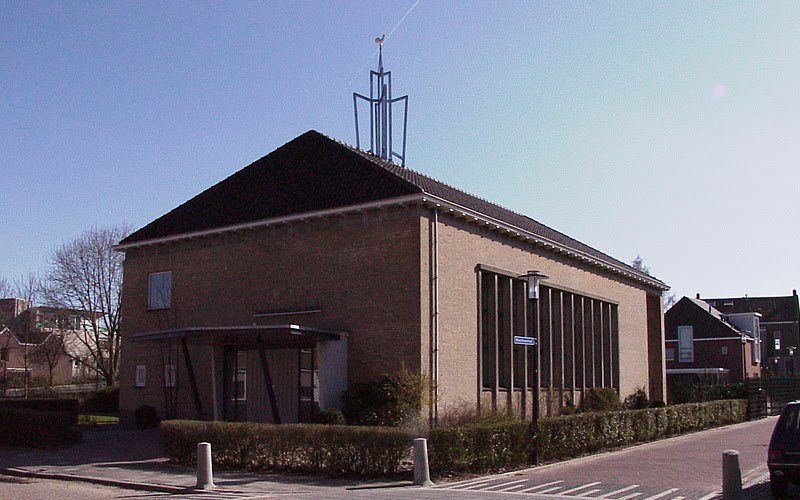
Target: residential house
point(37, 345)
point(320, 265)
point(779, 328)
point(703, 344)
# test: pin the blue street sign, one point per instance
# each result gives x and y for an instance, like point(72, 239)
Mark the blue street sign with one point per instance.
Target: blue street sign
point(524, 340)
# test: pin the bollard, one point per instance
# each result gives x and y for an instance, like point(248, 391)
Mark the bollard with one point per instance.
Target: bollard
point(731, 476)
point(422, 475)
point(205, 475)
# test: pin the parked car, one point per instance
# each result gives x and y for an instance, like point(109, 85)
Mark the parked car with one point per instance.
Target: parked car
point(783, 458)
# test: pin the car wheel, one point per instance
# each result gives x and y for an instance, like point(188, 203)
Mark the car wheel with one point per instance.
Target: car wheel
point(778, 487)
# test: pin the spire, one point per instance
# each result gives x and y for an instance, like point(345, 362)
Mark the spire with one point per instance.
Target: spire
point(381, 104)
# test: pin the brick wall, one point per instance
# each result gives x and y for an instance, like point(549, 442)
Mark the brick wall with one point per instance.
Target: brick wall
point(361, 270)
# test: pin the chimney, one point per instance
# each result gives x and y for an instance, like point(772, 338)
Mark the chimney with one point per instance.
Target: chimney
point(794, 292)
point(698, 296)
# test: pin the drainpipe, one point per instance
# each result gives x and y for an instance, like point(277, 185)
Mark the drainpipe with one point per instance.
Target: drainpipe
point(435, 307)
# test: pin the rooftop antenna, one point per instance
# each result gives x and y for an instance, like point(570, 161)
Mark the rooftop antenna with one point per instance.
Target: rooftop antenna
point(380, 103)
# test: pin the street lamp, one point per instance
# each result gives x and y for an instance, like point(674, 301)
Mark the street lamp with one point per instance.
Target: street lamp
point(534, 278)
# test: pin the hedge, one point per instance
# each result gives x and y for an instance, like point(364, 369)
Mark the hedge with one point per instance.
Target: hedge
point(42, 404)
point(27, 427)
point(333, 450)
point(481, 447)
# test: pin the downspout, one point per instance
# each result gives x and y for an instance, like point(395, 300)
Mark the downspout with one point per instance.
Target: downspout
point(435, 307)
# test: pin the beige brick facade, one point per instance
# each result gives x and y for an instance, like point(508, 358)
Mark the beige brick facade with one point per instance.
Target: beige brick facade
point(367, 273)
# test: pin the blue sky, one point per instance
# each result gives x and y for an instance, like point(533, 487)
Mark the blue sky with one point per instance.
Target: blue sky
point(666, 129)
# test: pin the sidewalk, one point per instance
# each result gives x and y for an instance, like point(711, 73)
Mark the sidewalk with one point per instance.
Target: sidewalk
point(134, 459)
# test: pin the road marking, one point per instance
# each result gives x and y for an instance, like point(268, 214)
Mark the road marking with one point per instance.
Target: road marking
point(709, 496)
point(662, 494)
point(545, 485)
point(549, 490)
point(466, 482)
point(492, 488)
point(587, 493)
point(573, 490)
point(677, 498)
point(477, 485)
point(626, 497)
point(470, 485)
point(606, 495)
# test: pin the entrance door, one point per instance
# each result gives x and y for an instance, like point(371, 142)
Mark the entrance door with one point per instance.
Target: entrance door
point(234, 407)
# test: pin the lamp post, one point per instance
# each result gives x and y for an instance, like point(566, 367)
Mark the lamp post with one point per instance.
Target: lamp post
point(534, 278)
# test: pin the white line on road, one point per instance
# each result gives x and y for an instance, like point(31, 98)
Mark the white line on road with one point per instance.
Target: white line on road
point(627, 497)
point(492, 488)
point(678, 498)
point(662, 494)
point(573, 490)
point(606, 495)
point(470, 485)
point(549, 490)
point(475, 486)
point(709, 496)
point(587, 493)
point(545, 485)
point(466, 482)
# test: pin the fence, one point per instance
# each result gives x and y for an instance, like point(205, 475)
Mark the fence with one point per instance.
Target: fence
point(768, 395)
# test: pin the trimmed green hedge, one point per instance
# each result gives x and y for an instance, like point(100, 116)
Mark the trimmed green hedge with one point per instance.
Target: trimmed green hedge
point(27, 427)
point(482, 447)
point(43, 404)
point(333, 450)
point(479, 447)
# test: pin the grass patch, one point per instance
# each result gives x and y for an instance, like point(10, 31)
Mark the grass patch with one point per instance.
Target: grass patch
point(97, 419)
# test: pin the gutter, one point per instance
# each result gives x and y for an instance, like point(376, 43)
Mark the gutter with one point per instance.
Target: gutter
point(437, 202)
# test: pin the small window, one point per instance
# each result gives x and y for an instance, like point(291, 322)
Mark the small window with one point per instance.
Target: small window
point(141, 375)
point(169, 376)
point(686, 344)
point(240, 385)
point(724, 350)
point(670, 352)
point(159, 291)
point(4, 354)
point(777, 344)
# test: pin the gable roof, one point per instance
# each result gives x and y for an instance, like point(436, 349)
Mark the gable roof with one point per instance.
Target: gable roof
point(315, 173)
point(714, 313)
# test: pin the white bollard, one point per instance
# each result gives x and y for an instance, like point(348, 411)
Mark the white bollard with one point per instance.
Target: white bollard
point(205, 475)
point(422, 475)
point(731, 476)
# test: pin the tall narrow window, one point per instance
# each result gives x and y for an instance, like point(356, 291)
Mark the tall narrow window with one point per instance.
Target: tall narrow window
point(488, 330)
point(141, 376)
point(169, 376)
point(159, 290)
point(686, 344)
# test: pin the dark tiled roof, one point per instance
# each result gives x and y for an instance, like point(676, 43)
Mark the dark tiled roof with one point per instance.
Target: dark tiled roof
point(314, 172)
point(771, 308)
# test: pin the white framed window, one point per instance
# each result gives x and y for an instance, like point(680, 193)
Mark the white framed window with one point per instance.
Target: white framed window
point(141, 376)
point(724, 350)
point(159, 290)
point(686, 344)
point(170, 375)
point(670, 352)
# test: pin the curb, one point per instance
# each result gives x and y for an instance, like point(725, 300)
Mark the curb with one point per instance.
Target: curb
point(129, 485)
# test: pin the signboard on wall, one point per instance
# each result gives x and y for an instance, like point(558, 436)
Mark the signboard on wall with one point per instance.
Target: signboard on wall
point(524, 340)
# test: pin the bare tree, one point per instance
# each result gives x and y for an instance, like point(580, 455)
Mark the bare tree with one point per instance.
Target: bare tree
point(86, 275)
point(50, 352)
point(5, 288)
point(667, 299)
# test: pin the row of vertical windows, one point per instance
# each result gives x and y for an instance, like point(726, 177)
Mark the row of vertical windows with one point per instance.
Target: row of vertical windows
point(578, 337)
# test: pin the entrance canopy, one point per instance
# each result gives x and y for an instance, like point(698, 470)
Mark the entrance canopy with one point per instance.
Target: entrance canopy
point(273, 336)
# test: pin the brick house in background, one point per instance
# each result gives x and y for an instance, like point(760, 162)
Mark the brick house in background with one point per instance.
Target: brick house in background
point(39, 343)
point(703, 344)
point(779, 328)
point(321, 265)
